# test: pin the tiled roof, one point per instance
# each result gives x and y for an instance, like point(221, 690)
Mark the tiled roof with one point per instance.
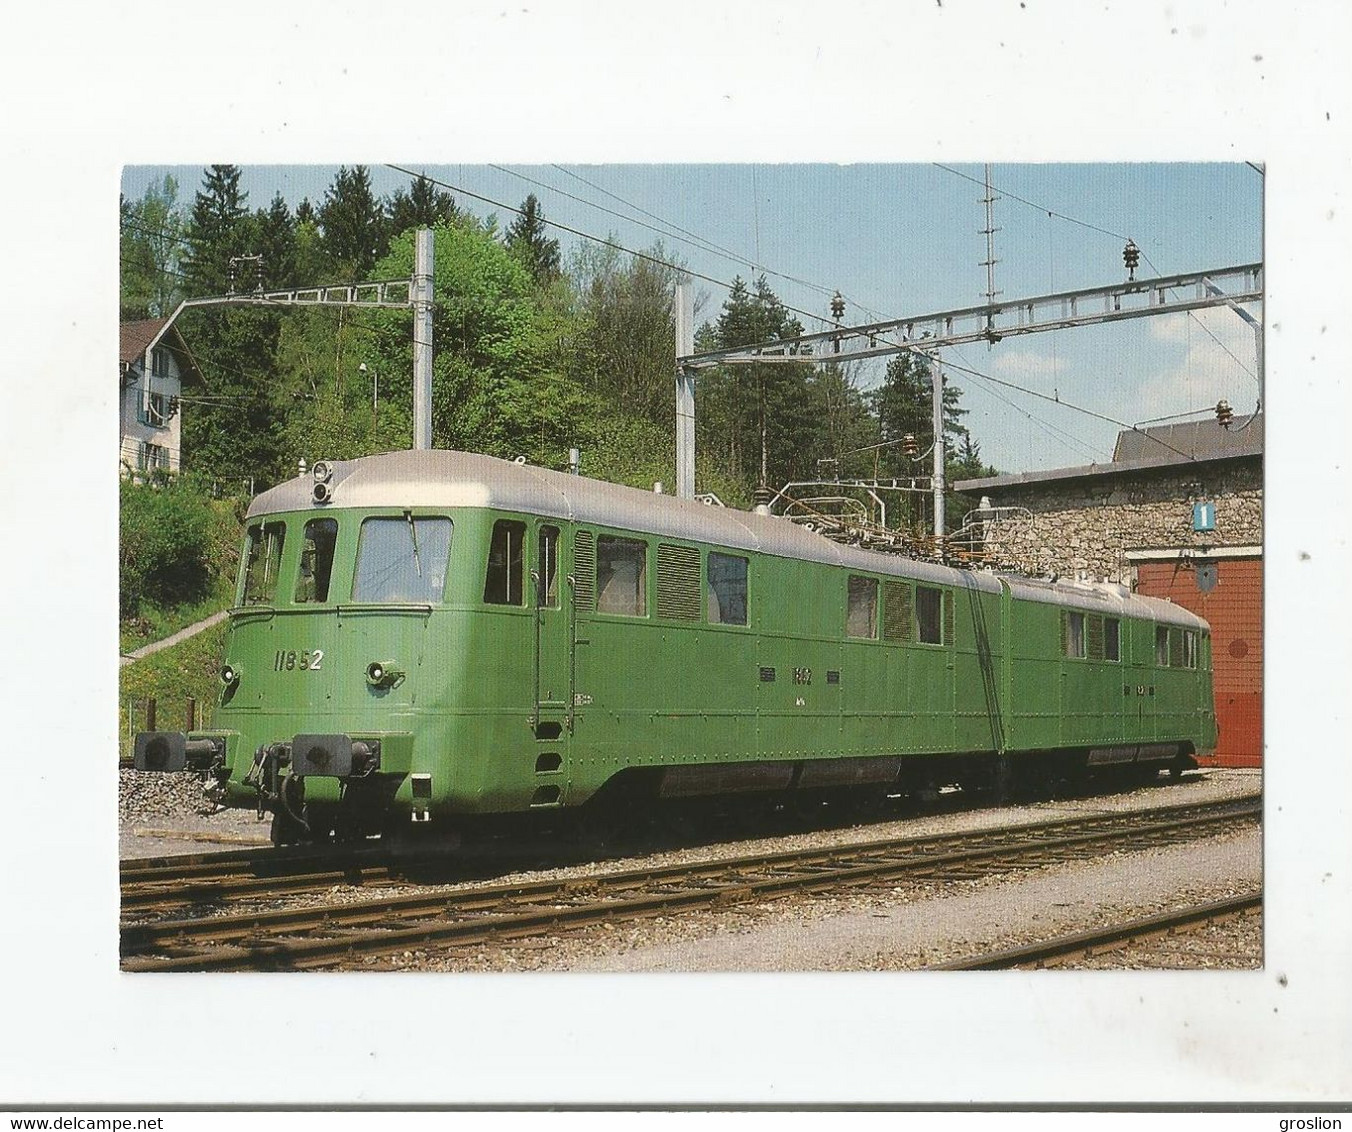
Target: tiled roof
point(136, 336)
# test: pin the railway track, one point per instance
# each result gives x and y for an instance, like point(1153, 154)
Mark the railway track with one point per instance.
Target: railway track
point(1067, 949)
point(335, 933)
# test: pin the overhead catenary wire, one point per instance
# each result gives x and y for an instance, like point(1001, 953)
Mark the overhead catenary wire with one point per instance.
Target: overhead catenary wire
point(1068, 404)
point(1107, 232)
point(684, 270)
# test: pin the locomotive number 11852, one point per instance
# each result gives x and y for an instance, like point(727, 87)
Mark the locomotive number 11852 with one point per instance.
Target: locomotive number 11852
point(290, 661)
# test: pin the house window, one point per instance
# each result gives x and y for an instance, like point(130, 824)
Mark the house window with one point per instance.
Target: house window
point(159, 361)
point(155, 410)
point(152, 456)
point(861, 620)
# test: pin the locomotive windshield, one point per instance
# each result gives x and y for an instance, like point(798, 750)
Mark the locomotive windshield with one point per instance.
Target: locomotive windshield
point(402, 559)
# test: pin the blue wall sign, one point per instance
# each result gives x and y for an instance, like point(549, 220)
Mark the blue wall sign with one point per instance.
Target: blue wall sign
point(1203, 516)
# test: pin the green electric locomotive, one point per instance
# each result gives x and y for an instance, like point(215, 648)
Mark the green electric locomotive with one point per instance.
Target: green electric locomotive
point(425, 637)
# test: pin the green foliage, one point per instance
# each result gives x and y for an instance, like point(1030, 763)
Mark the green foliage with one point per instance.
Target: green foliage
point(172, 676)
point(904, 403)
point(421, 207)
point(528, 240)
point(150, 232)
point(529, 361)
point(175, 545)
point(772, 423)
point(625, 334)
point(353, 221)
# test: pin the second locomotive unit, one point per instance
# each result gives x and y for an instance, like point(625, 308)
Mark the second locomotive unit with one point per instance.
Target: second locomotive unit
point(426, 636)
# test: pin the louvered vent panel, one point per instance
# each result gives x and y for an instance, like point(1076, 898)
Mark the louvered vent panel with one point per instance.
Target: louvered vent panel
point(898, 616)
point(948, 617)
point(584, 570)
point(677, 582)
point(1175, 648)
point(1094, 634)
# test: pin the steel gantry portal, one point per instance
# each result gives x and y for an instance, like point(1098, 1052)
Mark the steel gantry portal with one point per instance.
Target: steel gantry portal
point(398, 294)
point(927, 333)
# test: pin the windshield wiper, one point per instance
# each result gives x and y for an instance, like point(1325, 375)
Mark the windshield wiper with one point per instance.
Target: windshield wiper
point(413, 532)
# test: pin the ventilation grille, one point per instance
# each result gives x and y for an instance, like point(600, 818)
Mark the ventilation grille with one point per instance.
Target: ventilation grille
point(948, 617)
point(897, 613)
point(584, 570)
point(677, 582)
point(1175, 648)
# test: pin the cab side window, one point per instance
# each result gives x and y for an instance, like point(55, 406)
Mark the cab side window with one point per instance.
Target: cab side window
point(547, 569)
point(929, 604)
point(504, 582)
point(316, 560)
point(263, 559)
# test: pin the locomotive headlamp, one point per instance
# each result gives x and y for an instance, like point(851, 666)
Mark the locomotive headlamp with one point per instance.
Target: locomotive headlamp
point(381, 674)
point(229, 675)
point(322, 471)
point(322, 493)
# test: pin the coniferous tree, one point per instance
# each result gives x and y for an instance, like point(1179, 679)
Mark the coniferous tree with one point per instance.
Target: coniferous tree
point(423, 206)
point(215, 232)
point(528, 240)
point(763, 415)
point(353, 223)
point(275, 240)
point(904, 404)
point(232, 433)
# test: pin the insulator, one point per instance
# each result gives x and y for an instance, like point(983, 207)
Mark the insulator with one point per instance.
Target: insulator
point(1224, 414)
point(1131, 257)
point(909, 445)
point(837, 306)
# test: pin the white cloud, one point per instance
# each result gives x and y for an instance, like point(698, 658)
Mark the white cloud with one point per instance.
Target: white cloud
point(1213, 357)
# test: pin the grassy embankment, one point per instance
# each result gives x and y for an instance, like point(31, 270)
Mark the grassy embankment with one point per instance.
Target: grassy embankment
point(173, 675)
point(189, 669)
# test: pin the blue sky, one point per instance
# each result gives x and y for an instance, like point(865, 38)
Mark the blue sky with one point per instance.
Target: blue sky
point(906, 239)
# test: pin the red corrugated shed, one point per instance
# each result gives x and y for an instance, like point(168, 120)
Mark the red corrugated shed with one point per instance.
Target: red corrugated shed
point(1235, 610)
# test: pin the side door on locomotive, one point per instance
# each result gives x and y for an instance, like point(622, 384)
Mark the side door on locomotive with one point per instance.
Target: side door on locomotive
point(552, 597)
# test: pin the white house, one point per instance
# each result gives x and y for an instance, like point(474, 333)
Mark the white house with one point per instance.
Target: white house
point(152, 363)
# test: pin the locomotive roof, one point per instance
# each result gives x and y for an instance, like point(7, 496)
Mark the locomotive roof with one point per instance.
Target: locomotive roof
point(443, 479)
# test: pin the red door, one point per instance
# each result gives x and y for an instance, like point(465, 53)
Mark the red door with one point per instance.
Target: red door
point(1234, 608)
